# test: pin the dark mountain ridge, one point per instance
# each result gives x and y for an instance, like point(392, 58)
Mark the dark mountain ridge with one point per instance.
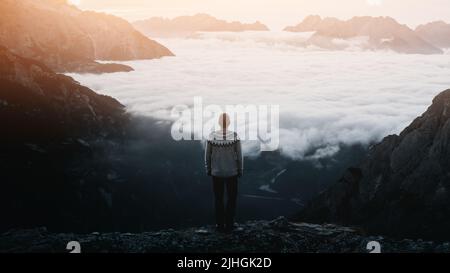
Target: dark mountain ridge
point(402, 187)
point(37, 103)
point(51, 127)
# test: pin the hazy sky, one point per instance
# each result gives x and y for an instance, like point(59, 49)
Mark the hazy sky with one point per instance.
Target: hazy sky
point(275, 13)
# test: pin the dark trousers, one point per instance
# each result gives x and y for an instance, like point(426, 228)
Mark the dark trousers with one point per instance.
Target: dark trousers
point(225, 213)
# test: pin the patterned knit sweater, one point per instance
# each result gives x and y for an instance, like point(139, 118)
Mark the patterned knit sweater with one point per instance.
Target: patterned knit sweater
point(223, 154)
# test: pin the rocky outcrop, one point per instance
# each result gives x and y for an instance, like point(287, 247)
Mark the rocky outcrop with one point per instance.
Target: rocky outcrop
point(187, 25)
point(436, 33)
point(36, 103)
point(380, 33)
point(67, 39)
point(52, 129)
point(277, 236)
point(402, 188)
point(96, 68)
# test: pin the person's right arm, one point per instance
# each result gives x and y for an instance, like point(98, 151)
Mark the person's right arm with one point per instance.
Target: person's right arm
point(240, 158)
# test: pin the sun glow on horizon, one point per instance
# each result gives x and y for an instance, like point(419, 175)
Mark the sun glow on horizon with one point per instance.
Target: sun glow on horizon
point(75, 2)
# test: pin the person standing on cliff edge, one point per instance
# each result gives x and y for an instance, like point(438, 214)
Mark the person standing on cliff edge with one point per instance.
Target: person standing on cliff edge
point(224, 162)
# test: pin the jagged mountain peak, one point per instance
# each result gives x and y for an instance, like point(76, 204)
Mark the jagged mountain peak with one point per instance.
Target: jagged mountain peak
point(437, 33)
point(187, 25)
point(402, 188)
point(382, 33)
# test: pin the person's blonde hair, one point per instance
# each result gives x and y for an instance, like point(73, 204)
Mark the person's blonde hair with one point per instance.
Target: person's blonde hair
point(224, 121)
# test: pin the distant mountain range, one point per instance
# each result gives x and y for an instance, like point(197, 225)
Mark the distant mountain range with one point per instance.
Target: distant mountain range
point(186, 25)
point(366, 33)
point(436, 33)
point(380, 32)
point(402, 187)
point(67, 39)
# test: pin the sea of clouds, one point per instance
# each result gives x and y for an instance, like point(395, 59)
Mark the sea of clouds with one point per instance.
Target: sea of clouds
point(326, 98)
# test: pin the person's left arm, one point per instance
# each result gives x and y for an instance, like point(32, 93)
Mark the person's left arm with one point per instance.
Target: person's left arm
point(208, 151)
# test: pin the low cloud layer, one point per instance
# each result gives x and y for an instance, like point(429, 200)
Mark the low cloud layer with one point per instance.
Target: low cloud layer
point(326, 98)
